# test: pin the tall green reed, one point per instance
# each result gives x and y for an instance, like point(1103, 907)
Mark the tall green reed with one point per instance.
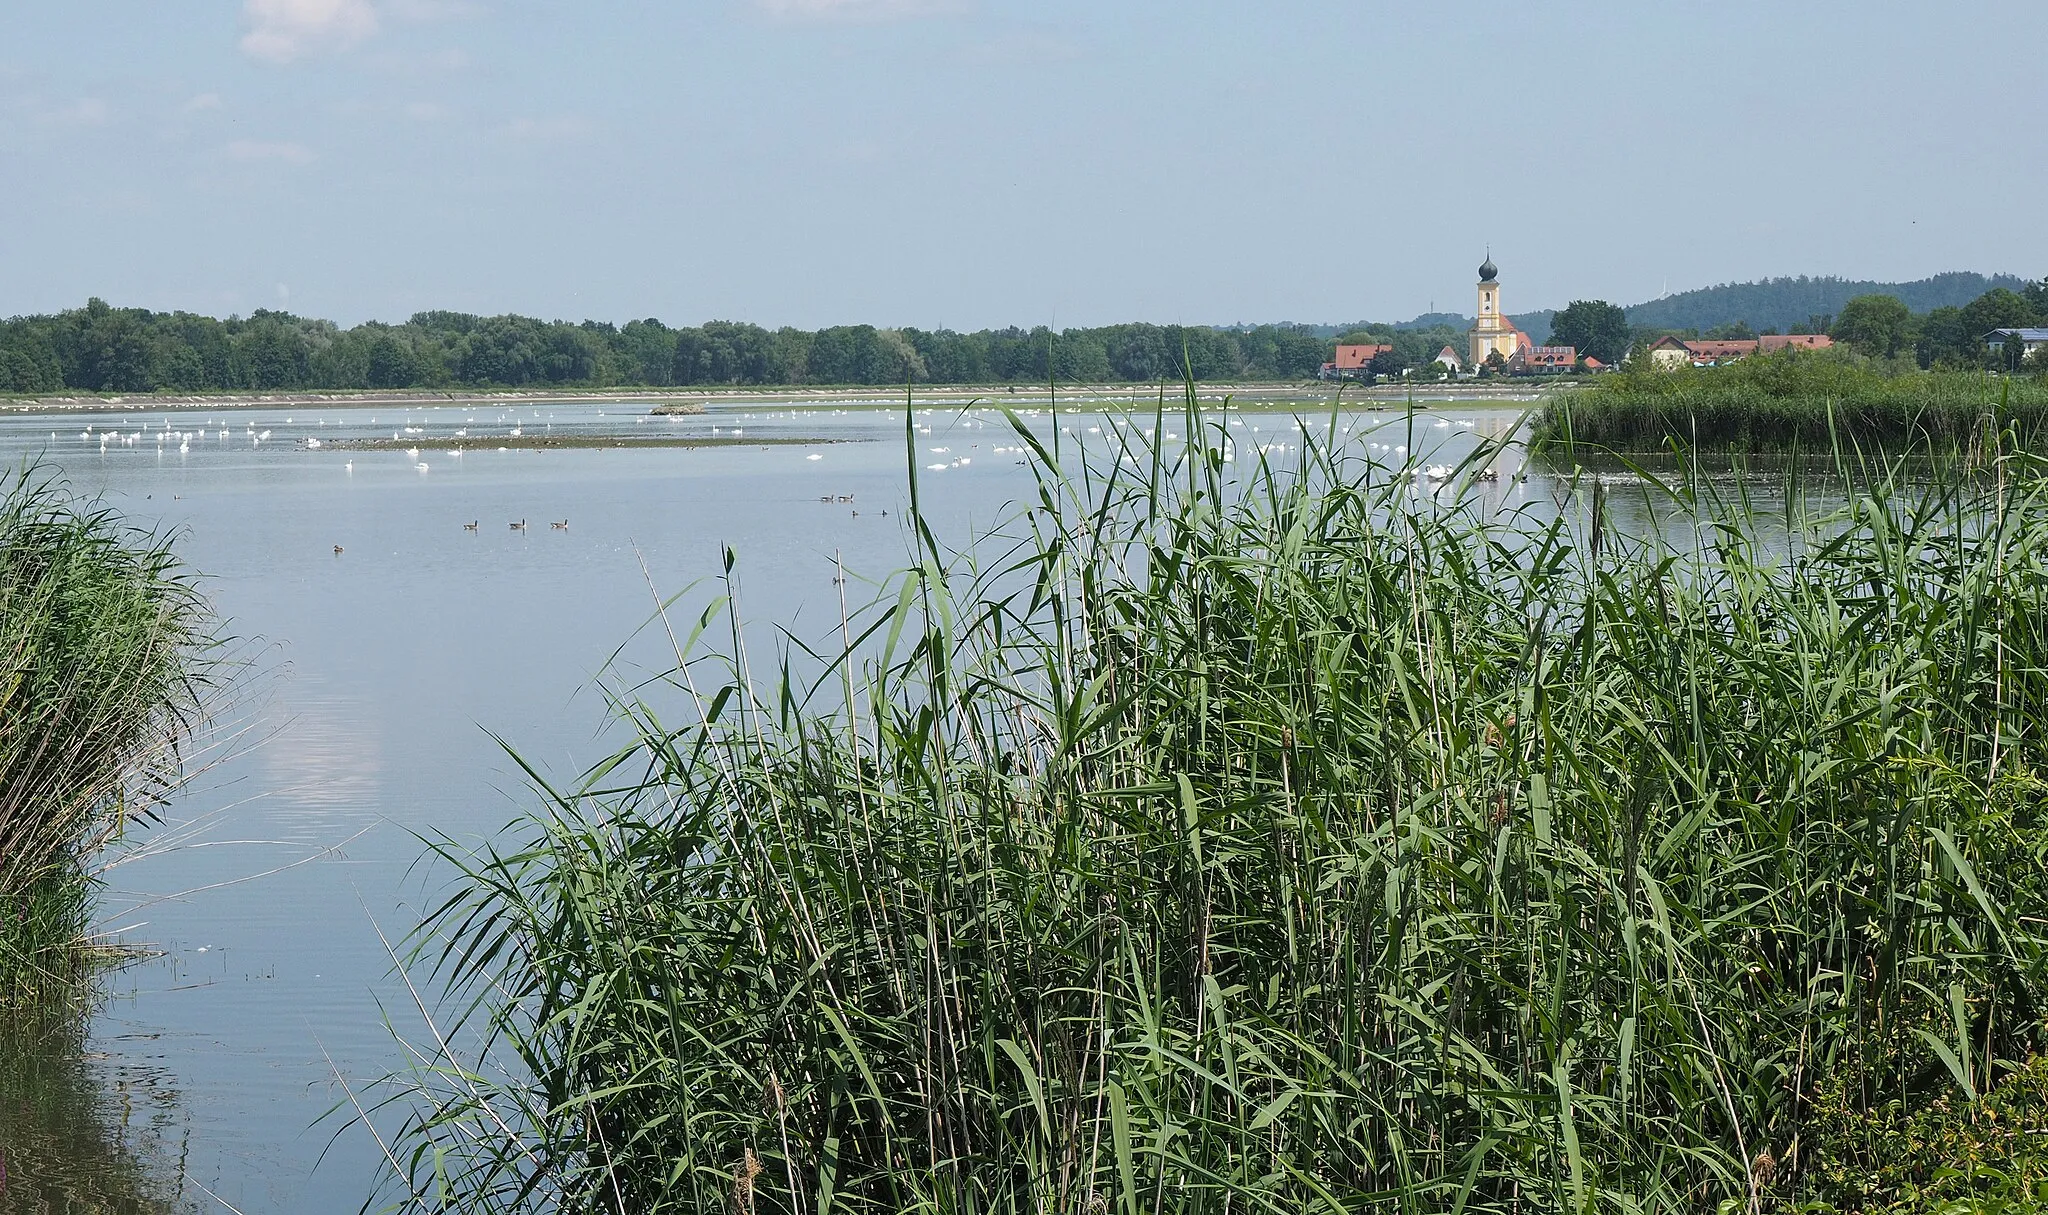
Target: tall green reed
point(1231, 836)
point(105, 654)
point(1795, 400)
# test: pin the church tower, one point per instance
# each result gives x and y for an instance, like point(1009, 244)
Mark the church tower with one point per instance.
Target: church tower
point(1492, 331)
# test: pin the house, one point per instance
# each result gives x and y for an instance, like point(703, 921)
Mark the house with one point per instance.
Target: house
point(1541, 360)
point(1668, 352)
point(1448, 359)
point(1714, 352)
point(1593, 364)
point(2030, 340)
point(1353, 362)
point(1772, 343)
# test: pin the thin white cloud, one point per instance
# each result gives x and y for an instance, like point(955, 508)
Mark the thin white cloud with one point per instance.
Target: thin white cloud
point(857, 10)
point(259, 150)
point(432, 10)
point(283, 30)
point(547, 129)
point(85, 112)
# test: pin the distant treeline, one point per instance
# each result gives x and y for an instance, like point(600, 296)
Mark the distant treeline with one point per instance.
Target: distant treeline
point(100, 348)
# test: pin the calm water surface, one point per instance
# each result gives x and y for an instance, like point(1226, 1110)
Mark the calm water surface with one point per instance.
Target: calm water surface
point(204, 1077)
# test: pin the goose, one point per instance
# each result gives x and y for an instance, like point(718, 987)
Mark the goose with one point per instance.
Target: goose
point(469, 527)
point(563, 526)
point(337, 550)
point(518, 527)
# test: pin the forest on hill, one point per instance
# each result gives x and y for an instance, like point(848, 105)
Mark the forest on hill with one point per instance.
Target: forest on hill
point(1787, 305)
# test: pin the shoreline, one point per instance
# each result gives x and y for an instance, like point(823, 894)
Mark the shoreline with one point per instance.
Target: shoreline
point(691, 401)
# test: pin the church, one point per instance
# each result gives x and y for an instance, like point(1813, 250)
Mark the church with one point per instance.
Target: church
point(1493, 332)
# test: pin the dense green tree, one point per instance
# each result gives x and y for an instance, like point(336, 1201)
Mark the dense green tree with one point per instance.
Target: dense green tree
point(271, 354)
point(390, 362)
point(1592, 327)
point(1998, 308)
point(1876, 325)
point(644, 352)
point(2036, 295)
point(1946, 340)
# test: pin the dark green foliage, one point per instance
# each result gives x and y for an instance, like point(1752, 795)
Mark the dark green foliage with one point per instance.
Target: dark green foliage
point(1284, 844)
point(1879, 326)
point(1795, 399)
point(102, 660)
point(1595, 327)
point(100, 348)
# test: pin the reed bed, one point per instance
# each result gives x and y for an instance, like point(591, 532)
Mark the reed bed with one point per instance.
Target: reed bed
point(1796, 400)
point(1237, 837)
point(104, 655)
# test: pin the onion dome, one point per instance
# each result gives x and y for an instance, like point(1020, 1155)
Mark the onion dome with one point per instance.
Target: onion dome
point(1487, 270)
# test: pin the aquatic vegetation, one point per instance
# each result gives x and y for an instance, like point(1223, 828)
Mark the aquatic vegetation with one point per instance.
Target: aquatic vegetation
point(75, 1140)
point(105, 652)
point(1794, 400)
point(1283, 838)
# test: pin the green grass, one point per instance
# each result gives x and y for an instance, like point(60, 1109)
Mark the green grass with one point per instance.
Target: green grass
point(104, 655)
point(1219, 838)
point(1796, 400)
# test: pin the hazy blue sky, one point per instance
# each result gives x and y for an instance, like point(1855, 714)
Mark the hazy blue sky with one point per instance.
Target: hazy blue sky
point(986, 162)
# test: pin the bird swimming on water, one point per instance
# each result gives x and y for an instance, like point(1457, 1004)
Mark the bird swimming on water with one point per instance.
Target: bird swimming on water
point(337, 550)
point(470, 527)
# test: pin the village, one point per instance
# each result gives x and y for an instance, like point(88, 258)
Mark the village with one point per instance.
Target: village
point(1496, 345)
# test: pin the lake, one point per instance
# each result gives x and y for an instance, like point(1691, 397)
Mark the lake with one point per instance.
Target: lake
point(387, 644)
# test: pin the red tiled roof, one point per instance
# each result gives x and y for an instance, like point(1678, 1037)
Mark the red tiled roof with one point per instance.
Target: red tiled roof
point(1722, 349)
point(1352, 358)
point(1805, 341)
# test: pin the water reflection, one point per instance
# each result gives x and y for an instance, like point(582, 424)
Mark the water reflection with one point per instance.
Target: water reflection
point(81, 1131)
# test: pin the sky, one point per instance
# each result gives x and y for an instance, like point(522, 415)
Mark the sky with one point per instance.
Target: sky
point(971, 163)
